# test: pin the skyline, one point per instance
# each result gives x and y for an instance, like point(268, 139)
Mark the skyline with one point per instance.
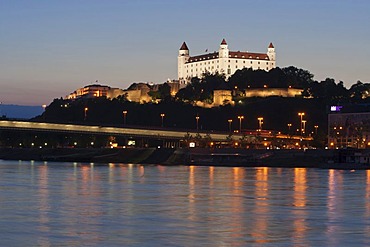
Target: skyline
point(48, 49)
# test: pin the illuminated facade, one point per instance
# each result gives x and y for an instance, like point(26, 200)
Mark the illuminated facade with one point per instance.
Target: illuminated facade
point(224, 61)
point(95, 90)
point(349, 130)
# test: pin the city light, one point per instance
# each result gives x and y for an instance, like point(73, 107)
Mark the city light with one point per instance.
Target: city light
point(197, 119)
point(260, 122)
point(124, 117)
point(162, 116)
point(230, 122)
point(240, 123)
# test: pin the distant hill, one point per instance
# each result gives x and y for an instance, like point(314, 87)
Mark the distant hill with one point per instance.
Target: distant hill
point(20, 111)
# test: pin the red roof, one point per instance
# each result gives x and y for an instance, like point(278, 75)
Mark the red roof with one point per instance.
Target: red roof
point(223, 42)
point(208, 56)
point(232, 54)
point(184, 47)
point(248, 55)
point(271, 45)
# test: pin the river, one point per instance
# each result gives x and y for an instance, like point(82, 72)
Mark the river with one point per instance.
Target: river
point(83, 204)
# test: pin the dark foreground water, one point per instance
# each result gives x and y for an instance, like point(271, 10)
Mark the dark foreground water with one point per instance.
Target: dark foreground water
point(66, 204)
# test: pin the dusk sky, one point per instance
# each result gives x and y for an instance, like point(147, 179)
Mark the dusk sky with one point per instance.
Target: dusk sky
point(49, 48)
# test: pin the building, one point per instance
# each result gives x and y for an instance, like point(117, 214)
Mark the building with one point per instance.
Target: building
point(138, 92)
point(224, 61)
point(222, 97)
point(348, 129)
point(95, 90)
point(267, 92)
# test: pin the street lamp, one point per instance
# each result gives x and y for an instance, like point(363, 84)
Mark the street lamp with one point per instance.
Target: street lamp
point(240, 123)
point(260, 122)
point(197, 119)
point(304, 126)
point(124, 117)
point(85, 113)
point(316, 127)
point(230, 122)
point(162, 116)
point(301, 114)
point(289, 125)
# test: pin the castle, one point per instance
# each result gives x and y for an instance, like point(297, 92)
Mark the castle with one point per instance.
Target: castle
point(224, 61)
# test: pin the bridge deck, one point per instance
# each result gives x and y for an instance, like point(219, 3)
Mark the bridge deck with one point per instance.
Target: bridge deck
point(158, 133)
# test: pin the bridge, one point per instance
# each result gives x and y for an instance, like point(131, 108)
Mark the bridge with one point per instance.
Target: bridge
point(135, 131)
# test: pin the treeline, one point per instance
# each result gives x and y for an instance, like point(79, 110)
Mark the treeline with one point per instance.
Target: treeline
point(201, 89)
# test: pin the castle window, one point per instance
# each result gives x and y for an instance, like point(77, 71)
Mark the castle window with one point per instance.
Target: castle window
point(229, 71)
point(229, 61)
point(243, 61)
point(236, 61)
point(258, 62)
point(267, 68)
point(251, 62)
point(236, 66)
point(267, 63)
point(229, 65)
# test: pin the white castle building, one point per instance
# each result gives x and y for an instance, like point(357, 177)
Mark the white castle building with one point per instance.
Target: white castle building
point(224, 61)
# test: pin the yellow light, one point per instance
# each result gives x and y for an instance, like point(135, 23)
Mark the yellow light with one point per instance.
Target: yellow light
point(332, 144)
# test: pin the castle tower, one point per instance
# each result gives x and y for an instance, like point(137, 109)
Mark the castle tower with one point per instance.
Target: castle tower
point(223, 52)
point(181, 60)
point(223, 55)
point(271, 52)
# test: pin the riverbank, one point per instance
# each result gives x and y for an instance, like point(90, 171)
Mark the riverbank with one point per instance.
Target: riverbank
point(327, 159)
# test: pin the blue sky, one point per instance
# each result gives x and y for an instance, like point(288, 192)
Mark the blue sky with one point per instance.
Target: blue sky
point(49, 48)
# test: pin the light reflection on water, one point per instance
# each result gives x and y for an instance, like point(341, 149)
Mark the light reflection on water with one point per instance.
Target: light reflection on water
point(70, 204)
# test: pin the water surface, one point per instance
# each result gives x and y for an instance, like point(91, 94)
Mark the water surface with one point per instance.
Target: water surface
point(74, 204)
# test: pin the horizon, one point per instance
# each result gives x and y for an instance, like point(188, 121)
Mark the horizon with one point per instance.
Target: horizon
point(52, 48)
